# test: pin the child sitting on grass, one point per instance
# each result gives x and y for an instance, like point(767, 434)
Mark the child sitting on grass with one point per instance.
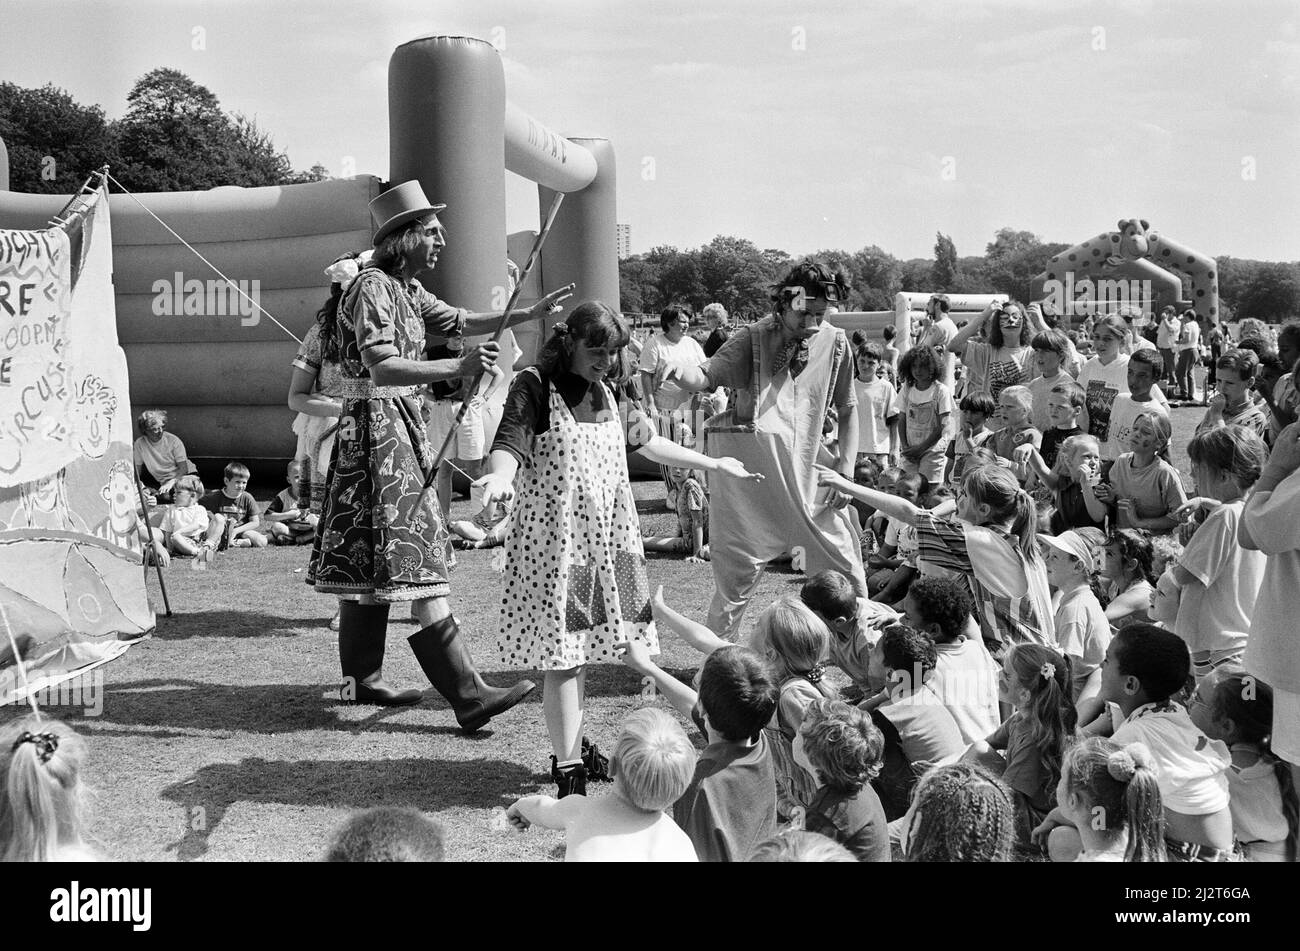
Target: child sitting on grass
point(692, 537)
point(1218, 580)
point(489, 526)
point(855, 626)
point(965, 674)
point(1108, 801)
point(844, 751)
point(1146, 667)
point(729, 808)
point(187, 527)
point(796, 845)
point(1232, 706)
point(894, 566)
point(41, 795)
point(387, 834)
point(1127, 571)
point(287, 519)
point(962, 813)
point(1034, 739)
point(919, 730)
point(651, 764)
point(1144, 488)
point(1082, 630)
point(239, 509)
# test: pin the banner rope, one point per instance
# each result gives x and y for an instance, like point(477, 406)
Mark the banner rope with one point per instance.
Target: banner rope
point(199, 255)
point(22, 664)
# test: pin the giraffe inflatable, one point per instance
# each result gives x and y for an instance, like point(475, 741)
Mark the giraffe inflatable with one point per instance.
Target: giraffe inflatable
point(1134, 243)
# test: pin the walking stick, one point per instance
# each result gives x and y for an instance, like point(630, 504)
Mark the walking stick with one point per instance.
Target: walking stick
point(496, 337)
point(144, 507)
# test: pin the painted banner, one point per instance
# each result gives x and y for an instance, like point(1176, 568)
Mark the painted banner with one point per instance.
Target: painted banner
point(72, 590)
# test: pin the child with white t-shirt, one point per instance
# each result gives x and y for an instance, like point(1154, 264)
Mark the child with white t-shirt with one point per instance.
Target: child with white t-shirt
point(1143, 369)
point(1218, 579)
point(1051, 349)
point(925, 407)
point(877, 436)
point(1082, 630)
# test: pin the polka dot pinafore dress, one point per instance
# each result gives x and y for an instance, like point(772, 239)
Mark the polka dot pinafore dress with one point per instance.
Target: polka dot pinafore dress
point(575, 580)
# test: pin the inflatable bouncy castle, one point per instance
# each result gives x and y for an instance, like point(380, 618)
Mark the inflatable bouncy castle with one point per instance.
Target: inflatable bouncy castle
point(200, 349)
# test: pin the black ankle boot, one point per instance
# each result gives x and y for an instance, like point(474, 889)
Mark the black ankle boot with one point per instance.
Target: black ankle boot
point(572, 780)
point(362, 630)
point(447, 663)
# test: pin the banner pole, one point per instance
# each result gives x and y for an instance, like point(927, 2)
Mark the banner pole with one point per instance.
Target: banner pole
point(157, 563)
point(496, 337)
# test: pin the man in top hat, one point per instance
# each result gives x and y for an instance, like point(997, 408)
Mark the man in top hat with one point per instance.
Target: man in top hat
point(382, 539)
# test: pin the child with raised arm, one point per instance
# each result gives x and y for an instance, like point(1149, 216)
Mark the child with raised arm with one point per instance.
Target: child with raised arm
point(1075, 482)
point(41, 794)
point(976, 411)
point(1144, 488)
point(1217, 579)
point(1231, 705)
point(652, 764)
point(1108, 804)
point(991, 541)
point(730, 805)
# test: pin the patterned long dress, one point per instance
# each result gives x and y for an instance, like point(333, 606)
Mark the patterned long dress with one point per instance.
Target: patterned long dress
point(377, 535)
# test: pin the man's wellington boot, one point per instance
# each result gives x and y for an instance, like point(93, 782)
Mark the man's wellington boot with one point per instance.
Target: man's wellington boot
point(362, 631)
point(446, 661)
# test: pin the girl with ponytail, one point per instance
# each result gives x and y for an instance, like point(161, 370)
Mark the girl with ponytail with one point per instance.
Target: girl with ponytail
point(1109, 801)
point(41, 812)
point(991, 542)
point(1036, 682)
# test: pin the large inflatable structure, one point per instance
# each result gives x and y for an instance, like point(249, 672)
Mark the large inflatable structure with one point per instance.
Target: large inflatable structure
point(200, 350)
point(1130, 265)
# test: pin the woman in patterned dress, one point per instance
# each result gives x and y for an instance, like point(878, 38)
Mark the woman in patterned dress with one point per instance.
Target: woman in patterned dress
point(381, 538)
point(575, 582)
point(1007, 359)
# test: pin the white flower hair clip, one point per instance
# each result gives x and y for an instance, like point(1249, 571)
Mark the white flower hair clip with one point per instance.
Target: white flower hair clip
point(1048, 671)
point(345, 270)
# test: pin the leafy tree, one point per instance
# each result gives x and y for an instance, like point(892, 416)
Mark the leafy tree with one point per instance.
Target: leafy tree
point(638, 285)
point(732, 272)
point(54, 142)
point(944, 274)
point(1274, 295)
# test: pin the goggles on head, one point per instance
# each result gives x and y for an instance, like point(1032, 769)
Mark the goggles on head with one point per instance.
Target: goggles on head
point(828, 289)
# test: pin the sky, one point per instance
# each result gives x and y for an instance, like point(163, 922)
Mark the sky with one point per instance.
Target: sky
point(797, 125)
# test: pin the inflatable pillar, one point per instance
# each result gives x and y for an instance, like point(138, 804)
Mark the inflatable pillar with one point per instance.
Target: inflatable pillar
point(4, 167)
point(446, 129)
point(570, 254)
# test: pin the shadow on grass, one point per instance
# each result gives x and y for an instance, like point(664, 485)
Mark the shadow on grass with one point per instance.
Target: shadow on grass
point(269, 708)
point(183, 624)
point(429, 785)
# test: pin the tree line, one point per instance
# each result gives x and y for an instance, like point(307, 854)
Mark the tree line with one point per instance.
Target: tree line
point(735, 273)
point(176, 137)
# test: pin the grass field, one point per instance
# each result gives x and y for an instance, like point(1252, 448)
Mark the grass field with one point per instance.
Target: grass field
point(222, 738)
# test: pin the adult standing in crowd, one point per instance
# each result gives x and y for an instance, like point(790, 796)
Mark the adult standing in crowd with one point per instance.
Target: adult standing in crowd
point(1167, 329)
point(788, 370)
point(575, 581)
point(160, 455)
point(675, 411)
point(380, 538)
point(1188, 347)
point(939, 333)
point(716, 320)
point(1006, 359)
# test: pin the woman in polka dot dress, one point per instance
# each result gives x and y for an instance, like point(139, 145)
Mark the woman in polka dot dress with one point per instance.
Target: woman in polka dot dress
point(575, 581)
